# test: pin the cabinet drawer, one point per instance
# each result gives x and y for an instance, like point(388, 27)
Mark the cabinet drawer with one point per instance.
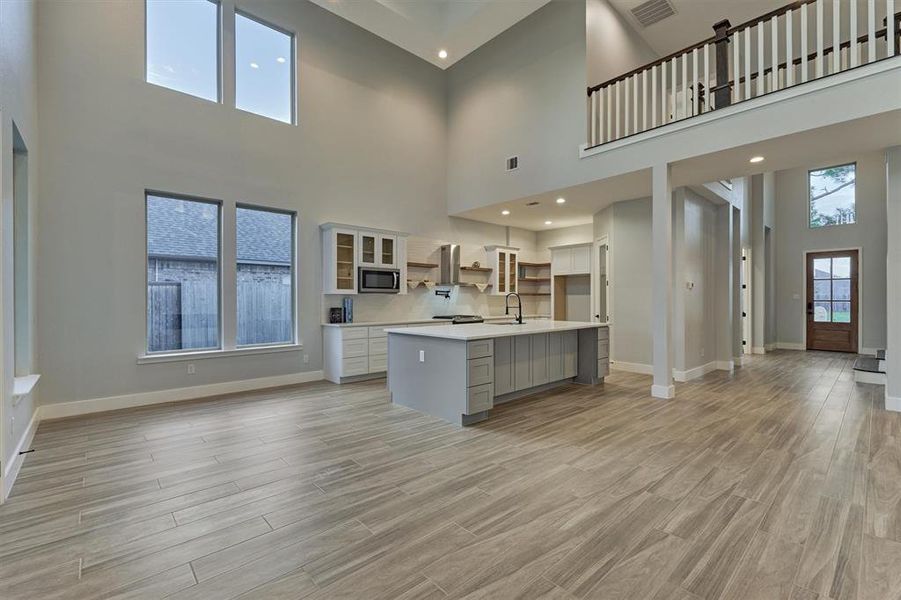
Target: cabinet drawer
point(604, 349)
point(354, 348)
point(354, 333)
point(603, 333)
point(479, 398)
point(479, 371)
point(380, 346)
point(378, 363)
point(354, 366)
point(603, 367)
point(480, 348)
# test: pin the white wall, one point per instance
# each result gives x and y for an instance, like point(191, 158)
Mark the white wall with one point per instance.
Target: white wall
point(370, 149)
point(18, 94)
point(794, 237)
point(577, 234)
point(613, 47)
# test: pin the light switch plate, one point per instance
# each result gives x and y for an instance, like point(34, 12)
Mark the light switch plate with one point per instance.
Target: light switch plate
point(422, 356)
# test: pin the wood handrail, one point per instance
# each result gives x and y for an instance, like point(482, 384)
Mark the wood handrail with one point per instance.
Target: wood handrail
point(751, 23)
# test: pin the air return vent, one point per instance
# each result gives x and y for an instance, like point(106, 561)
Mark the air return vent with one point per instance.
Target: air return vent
point(653, 11)
point(512, 163)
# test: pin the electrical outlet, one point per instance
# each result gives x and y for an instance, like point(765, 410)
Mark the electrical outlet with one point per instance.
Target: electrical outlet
point(191, 369)
point(422, 356)
point(702, 353)
point(12, 425)
point(306, 358)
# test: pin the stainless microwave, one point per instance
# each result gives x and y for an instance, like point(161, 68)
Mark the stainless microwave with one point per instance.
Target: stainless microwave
point(378, 281)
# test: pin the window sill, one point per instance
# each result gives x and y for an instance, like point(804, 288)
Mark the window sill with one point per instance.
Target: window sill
point(204, 354)
point(22, 386)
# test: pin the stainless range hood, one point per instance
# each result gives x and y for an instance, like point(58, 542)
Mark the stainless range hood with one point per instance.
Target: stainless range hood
point(449, 269)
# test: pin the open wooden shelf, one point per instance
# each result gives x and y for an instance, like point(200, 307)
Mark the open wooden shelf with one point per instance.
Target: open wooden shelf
point(535, 279)
point(421, 265)
point(534, 293)
point(535, 265)
point(477, 269)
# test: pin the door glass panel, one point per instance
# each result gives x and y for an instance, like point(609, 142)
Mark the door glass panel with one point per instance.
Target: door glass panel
point(345, 261)
point(387, 251)
point(841, 289)
point(841, 312)
point(502, 271)
point(367, 247)
point(822, 290)
point(841, 267)
point(512, 272)
point(822, 268)
point(822, 312)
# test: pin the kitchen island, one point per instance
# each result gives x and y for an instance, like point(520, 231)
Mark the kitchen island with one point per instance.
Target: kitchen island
point(460, 372)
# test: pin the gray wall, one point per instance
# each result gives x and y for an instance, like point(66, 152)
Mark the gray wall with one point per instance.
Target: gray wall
point(794, 237)
point(612, 46)
point(18, 99)
point(630, 253)
point(371, 135)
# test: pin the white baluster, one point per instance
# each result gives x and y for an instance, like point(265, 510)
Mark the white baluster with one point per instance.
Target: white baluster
point(747, 63)
point(608, 93)
point(819, 36)
point(628, 107)
point(890, 27)
point(789, 50)
point(635, 104)
point(673, 111)
point(736, 67)
point(836, 35)
point(804, 47)
point(597, 117)
point(619, 106)
point(644, 100)
point(684, 86)
point(871, 29)
point(663, 79)
point(761, 59)
point(774, 48)
point(654, 96)
point(694, 81)
point(707, 94)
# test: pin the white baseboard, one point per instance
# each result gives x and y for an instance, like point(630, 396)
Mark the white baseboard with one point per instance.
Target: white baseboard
point(663, 391)
point(758, 350)
point(892, 403)
point(632, 367)
point(725, 365)
point(769, 347)
point(738, 360)
point(790, 346)
point(690, 374)
point(868, 377)
point(12, 467)
point(868, 351)
point(83, 407)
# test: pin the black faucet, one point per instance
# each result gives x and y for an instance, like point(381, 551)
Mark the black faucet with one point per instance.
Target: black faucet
point(518, 305)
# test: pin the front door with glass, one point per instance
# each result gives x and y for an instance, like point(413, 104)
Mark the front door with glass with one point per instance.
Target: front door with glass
point(832, 301)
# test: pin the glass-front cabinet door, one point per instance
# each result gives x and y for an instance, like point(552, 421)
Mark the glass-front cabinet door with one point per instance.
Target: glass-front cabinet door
point(501, 272)
point(511, 272)
point(387, 251)
point(345, 248)
point(368, 248)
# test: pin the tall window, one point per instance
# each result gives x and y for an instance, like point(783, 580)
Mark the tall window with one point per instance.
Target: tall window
point(183, 46)
point(264, 69)
point(183, 255)
point(265, 272)
point(832, 196)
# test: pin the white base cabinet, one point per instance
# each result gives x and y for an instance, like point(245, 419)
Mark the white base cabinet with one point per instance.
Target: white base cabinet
point(355, 352)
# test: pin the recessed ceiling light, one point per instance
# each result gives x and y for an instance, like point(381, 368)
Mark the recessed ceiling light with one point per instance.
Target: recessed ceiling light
point(561, 200)
point(757, 159)
point(505, 212)
point(442, 54)
point(254, 66)
point(281, 59)
point(548, 222)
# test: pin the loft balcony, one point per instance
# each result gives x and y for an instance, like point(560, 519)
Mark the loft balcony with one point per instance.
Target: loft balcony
point(779, 55)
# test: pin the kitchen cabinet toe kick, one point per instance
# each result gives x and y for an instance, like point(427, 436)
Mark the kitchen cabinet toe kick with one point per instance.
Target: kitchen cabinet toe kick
point(461, 380)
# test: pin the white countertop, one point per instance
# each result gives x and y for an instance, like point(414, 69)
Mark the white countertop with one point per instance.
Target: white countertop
point(482, 331)
point(435, 322)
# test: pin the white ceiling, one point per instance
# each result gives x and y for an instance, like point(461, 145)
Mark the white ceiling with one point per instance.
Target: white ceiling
point(693, 20)
point(424, 27)
point(823, 146)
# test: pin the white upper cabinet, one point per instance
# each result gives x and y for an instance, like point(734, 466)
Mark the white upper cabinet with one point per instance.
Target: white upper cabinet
point(503, 262)
point(346, 248)
point(571, 260)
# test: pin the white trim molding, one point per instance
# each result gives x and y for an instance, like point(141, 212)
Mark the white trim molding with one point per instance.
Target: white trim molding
point(725, 365)
point(664, 392)
point(892, 403)
point(758, 350)
point(868, 377)
point(12, 468)
point(632, 367)
point(203, 354)
point(683, 376)
point(790, 346)
point(84, 407)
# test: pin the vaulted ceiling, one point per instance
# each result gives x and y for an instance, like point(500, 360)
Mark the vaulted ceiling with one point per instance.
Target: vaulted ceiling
point(424, 27)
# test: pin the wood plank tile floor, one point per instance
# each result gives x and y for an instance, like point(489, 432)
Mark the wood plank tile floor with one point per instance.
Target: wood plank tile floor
point(780, 481)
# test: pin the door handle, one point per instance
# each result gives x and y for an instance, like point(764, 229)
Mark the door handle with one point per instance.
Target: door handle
point(810, 308)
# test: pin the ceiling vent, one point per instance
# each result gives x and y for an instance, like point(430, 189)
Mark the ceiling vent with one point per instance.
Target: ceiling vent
point(653, 11)
point(512, 163)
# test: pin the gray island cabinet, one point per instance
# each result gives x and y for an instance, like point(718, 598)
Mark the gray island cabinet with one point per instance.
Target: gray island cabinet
point(460, 372)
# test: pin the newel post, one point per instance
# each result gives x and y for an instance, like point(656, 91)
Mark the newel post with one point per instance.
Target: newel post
point(722, 93)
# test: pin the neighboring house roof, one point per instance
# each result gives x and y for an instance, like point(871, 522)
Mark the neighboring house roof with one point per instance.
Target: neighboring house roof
point(188, 229)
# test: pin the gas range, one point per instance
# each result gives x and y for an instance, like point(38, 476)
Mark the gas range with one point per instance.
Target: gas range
point(461, 319)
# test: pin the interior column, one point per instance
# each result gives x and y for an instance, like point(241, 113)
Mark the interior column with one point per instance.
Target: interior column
point(662, 271)
point(893, 280)
point(724, 287)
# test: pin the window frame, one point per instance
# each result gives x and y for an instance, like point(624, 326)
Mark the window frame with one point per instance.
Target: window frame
point(294, 312)
point(293, 53)
point(219, 276)
point(810, 225)
point(220, 70)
